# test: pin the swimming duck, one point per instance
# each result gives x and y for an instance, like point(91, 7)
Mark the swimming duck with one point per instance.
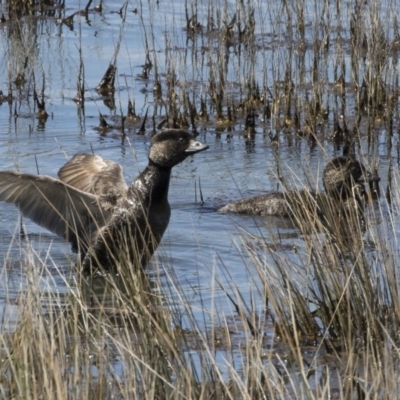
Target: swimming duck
point(277, 203)
point(342, 178)
point(297, 203)
point(91, 206)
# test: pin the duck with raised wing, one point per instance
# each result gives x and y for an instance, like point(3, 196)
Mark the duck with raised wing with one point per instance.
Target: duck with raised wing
point(91, 206)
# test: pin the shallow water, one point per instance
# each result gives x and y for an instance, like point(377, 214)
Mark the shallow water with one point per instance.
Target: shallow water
point(200, 245)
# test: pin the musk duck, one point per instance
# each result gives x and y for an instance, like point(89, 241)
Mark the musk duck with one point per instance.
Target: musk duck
point(343, 181)
point(296, 203)
point(92, 207)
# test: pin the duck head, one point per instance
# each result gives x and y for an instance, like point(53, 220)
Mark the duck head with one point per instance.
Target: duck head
point(172, 146)
point(342, 174)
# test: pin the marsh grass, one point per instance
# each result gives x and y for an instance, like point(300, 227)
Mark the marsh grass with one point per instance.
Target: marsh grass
point(332, 311)
point(109, 337)
point(341, 295)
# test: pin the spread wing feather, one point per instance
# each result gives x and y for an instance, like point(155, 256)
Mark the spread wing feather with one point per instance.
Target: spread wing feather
point(52, 204)
point(92, 174)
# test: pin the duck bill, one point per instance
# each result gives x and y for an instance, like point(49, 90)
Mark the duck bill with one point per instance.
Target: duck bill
point(195, 147)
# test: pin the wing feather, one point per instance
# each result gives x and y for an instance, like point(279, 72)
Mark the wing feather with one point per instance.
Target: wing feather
point(92, 174)
point(52, 204)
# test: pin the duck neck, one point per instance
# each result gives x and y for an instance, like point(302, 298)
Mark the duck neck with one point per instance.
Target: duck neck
point(152, 184)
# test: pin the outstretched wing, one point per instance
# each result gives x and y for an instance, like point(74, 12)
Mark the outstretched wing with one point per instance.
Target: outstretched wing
point(92, 174)
point(62, 209)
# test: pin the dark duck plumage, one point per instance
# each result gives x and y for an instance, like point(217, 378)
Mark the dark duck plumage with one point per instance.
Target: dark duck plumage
point(341, 174)
point(343, 180)
point(106, 220)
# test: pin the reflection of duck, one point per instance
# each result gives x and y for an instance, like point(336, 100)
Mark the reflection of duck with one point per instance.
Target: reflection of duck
point(93, 208)
point(343, 180)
